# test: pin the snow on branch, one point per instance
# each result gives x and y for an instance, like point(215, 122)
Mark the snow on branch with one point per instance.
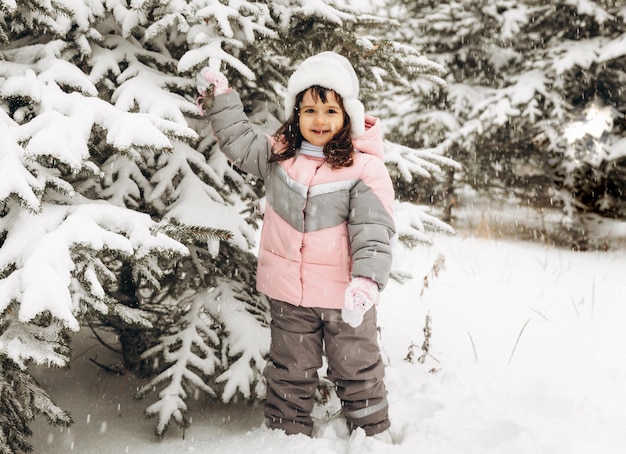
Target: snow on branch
point(410, 161)
point(569, 55)
point(123, 181)
point(493, 107)
point(212, 50)
point(247, 342)
point(15, 179)
point(38, 65)
point(249, 18)
point(413, 223)
point(55, 135)
point(128, 18)
point(590, 8)
point(148, 95)
point(197, 182)
point(24, 342)
point(190, 357)
point(614, 48)
point(63, 127)
point(38, 258)
point(404, 65)
point(171, 20)
point(324, 10)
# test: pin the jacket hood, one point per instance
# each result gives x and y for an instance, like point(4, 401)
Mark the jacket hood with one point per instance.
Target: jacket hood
point(371, 142)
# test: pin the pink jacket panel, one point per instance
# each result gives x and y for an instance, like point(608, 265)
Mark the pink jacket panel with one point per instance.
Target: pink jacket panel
point(310, 269)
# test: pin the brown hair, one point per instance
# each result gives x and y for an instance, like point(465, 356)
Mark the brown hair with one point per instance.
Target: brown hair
point(339, 151)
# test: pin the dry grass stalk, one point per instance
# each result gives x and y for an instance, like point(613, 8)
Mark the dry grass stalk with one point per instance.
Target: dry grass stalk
point(426, 344)
point(438, 265)
point(517, 341)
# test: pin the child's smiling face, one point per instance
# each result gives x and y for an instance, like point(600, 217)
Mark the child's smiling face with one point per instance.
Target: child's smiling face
point(320, 121)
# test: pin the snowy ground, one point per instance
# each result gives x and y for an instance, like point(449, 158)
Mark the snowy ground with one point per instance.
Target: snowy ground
point(527, 355)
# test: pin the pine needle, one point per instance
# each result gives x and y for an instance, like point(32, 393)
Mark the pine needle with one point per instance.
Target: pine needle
point(186, 233)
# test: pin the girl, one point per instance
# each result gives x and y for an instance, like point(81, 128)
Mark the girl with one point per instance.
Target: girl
point(325, 244)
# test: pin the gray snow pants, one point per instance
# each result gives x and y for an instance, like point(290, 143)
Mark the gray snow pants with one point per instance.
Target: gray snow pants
point(299, 336)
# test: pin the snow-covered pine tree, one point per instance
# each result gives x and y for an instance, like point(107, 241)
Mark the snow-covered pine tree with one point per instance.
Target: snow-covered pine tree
point(61, 247)
point(117, 208)
point(519, 74)
point(100, 177)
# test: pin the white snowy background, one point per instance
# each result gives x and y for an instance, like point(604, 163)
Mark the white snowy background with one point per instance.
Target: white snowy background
point(526, 355)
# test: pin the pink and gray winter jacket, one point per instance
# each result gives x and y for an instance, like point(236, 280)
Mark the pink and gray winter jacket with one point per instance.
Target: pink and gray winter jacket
point(321, 225)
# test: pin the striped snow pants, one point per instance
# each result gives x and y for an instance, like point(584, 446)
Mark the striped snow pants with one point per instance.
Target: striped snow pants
point(299, 337)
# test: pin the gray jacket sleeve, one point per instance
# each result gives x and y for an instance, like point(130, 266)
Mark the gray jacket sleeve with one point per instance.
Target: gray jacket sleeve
point(371, 225)
point(248, 149)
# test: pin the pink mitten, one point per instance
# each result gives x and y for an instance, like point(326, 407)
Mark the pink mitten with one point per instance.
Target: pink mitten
point(210, 83)
point(360, 296)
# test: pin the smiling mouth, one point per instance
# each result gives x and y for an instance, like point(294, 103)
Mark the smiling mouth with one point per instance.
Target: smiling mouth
point(320, 131)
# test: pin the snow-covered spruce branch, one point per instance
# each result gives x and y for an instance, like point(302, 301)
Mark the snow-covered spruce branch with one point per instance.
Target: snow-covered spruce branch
point(212, 26)
point(187, 233)
point(246, 347)
point(23, 342)
point(45, 263)
point(409, 161)
point(414, 222)
point(17, 183)
point(22, 400)
point(245, 20)
point(324, 11)
point(190, 357)
point(196, 353)
point(77, 112)
point(401, 66)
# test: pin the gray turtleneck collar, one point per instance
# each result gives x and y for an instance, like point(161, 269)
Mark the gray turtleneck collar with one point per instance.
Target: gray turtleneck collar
point(309, 149)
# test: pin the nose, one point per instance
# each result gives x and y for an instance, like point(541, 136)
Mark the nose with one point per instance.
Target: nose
point(319, 118)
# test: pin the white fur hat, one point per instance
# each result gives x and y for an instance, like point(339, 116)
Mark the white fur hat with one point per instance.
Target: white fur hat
point(333, 71)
